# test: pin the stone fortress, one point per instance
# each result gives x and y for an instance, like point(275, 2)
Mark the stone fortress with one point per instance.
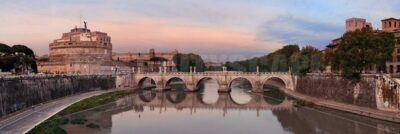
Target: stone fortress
point(79, 51)
point(82, 51)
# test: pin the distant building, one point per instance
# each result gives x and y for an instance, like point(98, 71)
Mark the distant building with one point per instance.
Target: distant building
point(392, 25)
point(388, 25)
point(80, 51)
point(149, 62)
point(353, 24)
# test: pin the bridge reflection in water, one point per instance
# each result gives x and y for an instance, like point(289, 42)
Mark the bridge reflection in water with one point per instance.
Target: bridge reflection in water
point(193, 101)
point(209, 112)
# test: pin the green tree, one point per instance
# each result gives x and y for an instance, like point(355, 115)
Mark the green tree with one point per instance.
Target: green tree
point(5, 48)
point(309, 59)
point(183, 62)
point(279, 64)
point(9, 60)
point(361, 49)
point(22, 49)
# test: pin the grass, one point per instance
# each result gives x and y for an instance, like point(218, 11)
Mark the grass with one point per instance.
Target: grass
point(53, 124)
point(95, 101)
point(80, 119)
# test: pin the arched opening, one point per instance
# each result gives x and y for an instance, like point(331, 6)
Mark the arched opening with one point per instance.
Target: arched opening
point(175, 84)
point(240, 90)
point(272, 90)
point(147, 83)
point(146, 96)
point(208, 90)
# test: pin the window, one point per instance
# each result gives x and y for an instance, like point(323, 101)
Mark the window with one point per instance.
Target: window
point(398, 69)
point(390, 24)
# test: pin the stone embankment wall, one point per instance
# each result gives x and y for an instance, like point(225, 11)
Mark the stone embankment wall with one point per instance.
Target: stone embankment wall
point(17, 93)
point(335, 88)
point(388, 94)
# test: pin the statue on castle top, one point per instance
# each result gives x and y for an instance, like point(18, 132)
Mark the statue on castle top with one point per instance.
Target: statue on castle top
point(84, 22)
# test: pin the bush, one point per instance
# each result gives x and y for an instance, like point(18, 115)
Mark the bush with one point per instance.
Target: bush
point(92, 125)
point(80, 119)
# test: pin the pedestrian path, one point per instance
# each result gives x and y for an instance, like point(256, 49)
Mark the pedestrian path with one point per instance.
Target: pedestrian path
point(23, 122)
point(364, 111)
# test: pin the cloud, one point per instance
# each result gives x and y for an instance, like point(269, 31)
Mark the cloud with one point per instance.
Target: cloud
point(292, 30)
point(165, 34)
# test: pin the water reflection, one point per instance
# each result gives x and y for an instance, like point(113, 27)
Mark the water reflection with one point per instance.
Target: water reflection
point(208, 90)
point(176, 112)
point(240, 91)
point(274, 96)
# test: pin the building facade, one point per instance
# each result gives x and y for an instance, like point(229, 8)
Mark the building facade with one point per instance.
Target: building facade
point(148, 62)
point(79, 51)
point(391, 25)
point(353, 24)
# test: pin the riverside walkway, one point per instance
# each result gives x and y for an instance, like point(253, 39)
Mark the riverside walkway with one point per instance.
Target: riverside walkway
point(23, 122)
point(364, 111)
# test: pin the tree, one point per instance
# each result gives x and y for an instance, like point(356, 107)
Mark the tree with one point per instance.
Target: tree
point(183, 62)
point(361, 49)
point(5, 48)
point(9, 60)
point(22, 49)
point(279, 64)
point(309, 59)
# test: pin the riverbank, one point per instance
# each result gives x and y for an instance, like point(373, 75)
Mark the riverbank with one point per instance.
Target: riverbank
point(52, 124)
point(28, 119)
point(364, 111)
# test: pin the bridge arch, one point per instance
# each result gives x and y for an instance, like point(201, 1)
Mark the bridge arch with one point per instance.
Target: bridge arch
point(276, 82)
point(144, 79)
point(174, 79)
point(252, 83)
point(202, 79)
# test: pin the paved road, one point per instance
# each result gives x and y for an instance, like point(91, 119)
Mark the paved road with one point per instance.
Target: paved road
point(25, 121)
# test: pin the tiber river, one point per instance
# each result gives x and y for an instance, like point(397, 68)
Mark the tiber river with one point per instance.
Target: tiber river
point(210, 112)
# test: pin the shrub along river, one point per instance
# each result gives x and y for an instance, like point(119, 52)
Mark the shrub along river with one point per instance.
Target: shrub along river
point(210, 112)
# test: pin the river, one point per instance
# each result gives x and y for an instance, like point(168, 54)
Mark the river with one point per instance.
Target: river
point(210, 112)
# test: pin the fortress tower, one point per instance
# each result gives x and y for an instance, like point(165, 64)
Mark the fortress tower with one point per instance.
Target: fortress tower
point(79, 51)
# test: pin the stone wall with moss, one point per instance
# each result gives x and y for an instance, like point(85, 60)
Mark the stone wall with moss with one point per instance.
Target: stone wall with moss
point(388, 94)
point(17, 93)
point(335, 88)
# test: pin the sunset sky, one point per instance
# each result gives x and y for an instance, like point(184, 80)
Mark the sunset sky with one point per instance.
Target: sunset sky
point(217, 28)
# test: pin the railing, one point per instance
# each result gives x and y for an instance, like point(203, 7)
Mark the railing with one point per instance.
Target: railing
point(215, 73)
point(36, 76)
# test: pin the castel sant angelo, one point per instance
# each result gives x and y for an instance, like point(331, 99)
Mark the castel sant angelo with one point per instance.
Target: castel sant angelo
point(79, 51)
point(85, 52)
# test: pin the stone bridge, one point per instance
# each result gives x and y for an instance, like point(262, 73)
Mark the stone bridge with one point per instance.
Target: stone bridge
point(195, 101)
point(224, 79)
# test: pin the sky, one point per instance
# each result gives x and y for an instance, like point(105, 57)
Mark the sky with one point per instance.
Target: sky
point(216, 29)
